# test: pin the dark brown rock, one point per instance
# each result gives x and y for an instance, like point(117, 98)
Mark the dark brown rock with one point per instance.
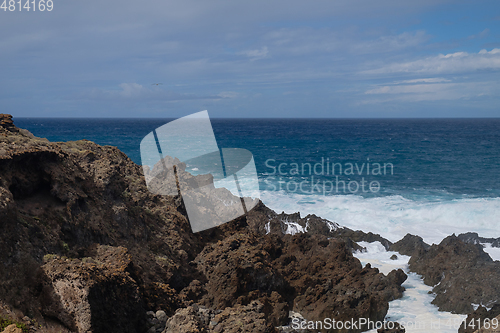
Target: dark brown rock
point(474, 238)
point(239, 319)
point(461, 273)
point(263, 220)
point(7, 123)
point(238, 270)
point(480, 316)
point(330, 282)
point(186, 320)
point(114, 249)
point(93, 294)
point(410, 245)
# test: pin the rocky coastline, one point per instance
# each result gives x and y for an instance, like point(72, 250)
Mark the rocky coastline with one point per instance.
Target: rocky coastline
point(86, 247)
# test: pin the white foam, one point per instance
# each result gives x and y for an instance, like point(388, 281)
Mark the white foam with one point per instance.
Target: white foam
point(414, 310)
point(293, 228)
point(394, 216)
point(494, 252)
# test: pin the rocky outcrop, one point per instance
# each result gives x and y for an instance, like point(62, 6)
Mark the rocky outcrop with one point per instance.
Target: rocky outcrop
point(239, 319)
point(461, 273)
point(316, 276)
point(240, 269)
point(410, 245)
point(482, 320)
point(93, 293)
point(7, 123)
point(265, 221)
point(473, 238)
point(85, 243)
point(328, 281)
point(492, 327)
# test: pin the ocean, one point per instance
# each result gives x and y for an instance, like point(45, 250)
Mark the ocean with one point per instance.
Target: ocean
point(429, 177)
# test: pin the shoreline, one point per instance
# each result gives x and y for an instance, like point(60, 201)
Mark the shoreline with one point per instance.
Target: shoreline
point(86, 221)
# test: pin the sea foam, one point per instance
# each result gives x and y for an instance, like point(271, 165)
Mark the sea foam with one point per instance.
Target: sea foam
point(394, 216)
point(414, 310)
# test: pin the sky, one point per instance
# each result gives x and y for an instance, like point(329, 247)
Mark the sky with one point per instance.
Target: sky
point(324, 58)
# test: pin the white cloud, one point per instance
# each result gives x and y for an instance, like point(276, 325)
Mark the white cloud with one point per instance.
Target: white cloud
point(135, 91)
point(432, 92)
point(458, 62)
point(427, 80)
point(255, 54)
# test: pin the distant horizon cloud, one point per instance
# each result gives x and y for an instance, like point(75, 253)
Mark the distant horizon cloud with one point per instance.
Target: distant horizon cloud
point(457, 62)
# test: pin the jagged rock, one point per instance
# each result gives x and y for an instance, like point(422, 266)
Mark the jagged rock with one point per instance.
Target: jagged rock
point(239, 269)
point(410, 245)
point(244, 319)
point(264, 221)
point(470, 324)
point(93, 294)
point(113, 250)
point(329, 281)
point(473, 238)
point(461, 273)
point(7, 123)
point(241, 318)
point(61, 198)
point(493, 328)
point(318, 274)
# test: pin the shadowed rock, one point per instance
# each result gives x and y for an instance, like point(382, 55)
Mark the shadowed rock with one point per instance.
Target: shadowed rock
point(410, 245)
point(85, 242)
point(461, 273)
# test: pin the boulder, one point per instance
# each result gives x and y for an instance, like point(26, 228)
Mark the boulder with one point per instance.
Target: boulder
point(410, 245)
point(93, 294)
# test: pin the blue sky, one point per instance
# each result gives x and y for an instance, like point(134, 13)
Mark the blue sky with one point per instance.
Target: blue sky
point(345, 58)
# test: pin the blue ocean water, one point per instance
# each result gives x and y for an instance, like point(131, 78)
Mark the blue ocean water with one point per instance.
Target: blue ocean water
point(431, 177)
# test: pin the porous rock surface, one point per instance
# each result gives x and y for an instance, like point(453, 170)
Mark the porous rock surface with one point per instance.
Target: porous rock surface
point(86, 244)
point(461, 273)
point(482, 317)
point(410, 245)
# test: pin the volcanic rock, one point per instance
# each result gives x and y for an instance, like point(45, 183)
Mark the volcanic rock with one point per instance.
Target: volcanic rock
point(85, 242)
point(93, 293)
point(461, 274)
point(480, 317)
point(473, 238)
point(410, 245)
point(264, 220)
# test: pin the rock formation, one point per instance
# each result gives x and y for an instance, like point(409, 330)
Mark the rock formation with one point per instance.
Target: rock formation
point(482, 320)
point(473, 237)
point(410, 245)
point(461, 274)
point(85, 244)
